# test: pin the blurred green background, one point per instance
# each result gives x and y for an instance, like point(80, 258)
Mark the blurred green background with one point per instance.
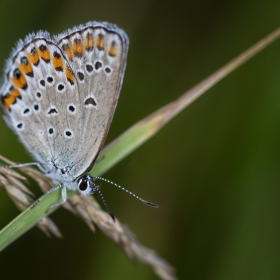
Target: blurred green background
point(214, 170)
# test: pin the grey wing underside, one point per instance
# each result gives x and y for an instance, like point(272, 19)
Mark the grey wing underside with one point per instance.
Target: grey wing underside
point(38, 105)
point(102, 67)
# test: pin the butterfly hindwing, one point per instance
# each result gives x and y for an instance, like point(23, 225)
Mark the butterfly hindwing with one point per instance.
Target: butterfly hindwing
point(32, 101)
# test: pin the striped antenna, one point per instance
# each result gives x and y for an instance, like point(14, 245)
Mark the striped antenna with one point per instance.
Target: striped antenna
point(131, 193)
point(105, 203)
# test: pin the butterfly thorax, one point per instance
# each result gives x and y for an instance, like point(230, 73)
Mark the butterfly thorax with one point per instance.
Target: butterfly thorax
point(62, 176)
point(58, 173)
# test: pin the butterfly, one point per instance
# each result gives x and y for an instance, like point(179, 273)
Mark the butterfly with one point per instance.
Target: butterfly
point(59, 96)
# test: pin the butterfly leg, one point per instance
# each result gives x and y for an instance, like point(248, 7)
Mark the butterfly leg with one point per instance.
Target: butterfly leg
point(63, 195)
point(23, 165)
point(44, 195)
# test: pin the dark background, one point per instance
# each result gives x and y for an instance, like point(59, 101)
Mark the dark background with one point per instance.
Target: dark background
point(213, 170)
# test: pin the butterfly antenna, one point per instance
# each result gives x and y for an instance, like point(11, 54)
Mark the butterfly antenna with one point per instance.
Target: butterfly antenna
point(131, 193)
point(105, 203)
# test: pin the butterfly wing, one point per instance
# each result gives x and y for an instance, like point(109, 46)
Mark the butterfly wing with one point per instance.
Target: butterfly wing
point(97, 53)
point(33, 95)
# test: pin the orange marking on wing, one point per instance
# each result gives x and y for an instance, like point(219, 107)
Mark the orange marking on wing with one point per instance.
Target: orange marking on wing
point(44, 54)
point(10, 98)
point(77, 48)
point(57, 62)
point(69, 75)
point(68, 51)
point(100, 42)
point(19, 81)
point(27, 69)
point(89, 43)
point(34, 58)
point(113, 50)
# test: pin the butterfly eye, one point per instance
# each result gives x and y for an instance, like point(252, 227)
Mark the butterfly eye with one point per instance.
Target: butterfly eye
point(86, 186)
point(83, 185)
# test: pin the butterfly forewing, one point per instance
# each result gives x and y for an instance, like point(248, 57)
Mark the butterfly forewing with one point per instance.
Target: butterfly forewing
point(97, 55)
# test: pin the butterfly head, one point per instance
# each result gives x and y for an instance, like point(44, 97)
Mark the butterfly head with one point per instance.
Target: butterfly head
point(86, 185)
